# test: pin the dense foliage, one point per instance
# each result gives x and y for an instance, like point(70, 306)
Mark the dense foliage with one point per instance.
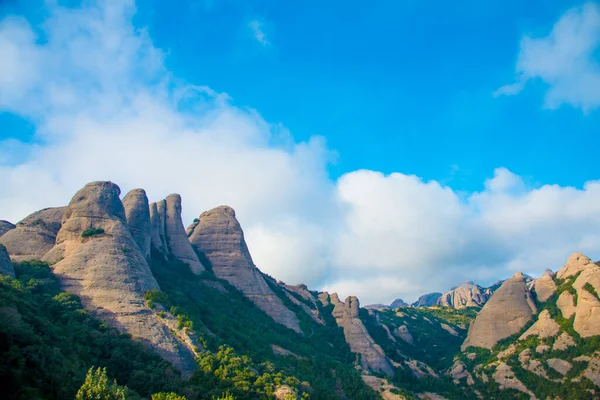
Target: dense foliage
point(48, 342)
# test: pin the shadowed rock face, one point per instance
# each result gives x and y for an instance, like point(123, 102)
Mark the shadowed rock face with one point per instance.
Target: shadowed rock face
point(544, 286)
point(346, 316)
point(427, 300)
point(5, 226)
point(398, 303)
point(168, 234)
point(219, 236)
point(35, 235)
point(6, 266)
point(108, 271)
point(508, 310)
point(137, 214)
point(467, 294)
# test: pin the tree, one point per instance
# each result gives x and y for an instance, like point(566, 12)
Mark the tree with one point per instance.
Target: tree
point(97, 387)
point(167, 396)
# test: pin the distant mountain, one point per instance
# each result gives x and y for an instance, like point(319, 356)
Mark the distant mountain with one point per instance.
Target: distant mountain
point(427, 300)
point(399, 303)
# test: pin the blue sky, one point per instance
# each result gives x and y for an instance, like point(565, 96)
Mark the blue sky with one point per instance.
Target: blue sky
point(400, 86)
point(376, 150)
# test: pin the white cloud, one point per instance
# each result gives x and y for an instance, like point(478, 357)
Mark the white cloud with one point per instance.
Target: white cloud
point(566, 60)
point(106, 108)
point(258, 30)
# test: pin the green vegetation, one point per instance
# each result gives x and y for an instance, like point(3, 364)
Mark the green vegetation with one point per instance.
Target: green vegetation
point(48, 342)
point(239, 337)
point(97, 386)
point(588, 286)
point(92, 232)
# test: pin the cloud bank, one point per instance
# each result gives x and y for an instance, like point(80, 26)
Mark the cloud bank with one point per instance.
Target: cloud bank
point(106, 108)
point(565, 60)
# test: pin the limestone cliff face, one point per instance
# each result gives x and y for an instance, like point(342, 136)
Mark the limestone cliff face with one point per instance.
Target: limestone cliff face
point(6, 267)
point(137, 214)
point(346, 316)
point(218, 235)
point(467, 294)
point(168, 235)
point(5, 226)
point(508, 310)
point(33, 236)
point(107, 270)
point(427, 300)
point(544, 286)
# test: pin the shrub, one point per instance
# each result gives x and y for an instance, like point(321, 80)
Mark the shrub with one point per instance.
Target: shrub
point(97, 386)
point(92, 232)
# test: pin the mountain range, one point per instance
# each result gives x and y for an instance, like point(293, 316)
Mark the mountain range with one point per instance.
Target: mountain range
point(119, 283)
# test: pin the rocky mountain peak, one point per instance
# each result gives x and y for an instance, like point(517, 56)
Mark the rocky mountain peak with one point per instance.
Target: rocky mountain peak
point(508, 310)
point(137, 214)
point(217, 235)
point(33, 236)
point(97, 259)
point(576, 263)
point(6, 267)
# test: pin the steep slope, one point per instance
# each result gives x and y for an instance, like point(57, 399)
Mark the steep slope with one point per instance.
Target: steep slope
point(346, 315)
point(508, 310)
point(467, 294)
point(34, 235)
point(218, 236)
point(6, 267)
point(168, 236)
point(97, 259)
point(137, 215)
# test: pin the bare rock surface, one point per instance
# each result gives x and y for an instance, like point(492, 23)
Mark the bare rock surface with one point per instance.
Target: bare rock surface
point(34, 236)
point(560, 366)
point(107, 270)
point(6, 266)
point(566, 304)
point(5, 226)
point(544, 327)
point(505, 377)
point(576, 263)
point(302, 291)
point(360, 342)
point(158, 243)
point(427, 300)
point(544, 286)
point(383, 387)
point(176, 238)
point(403, 333)
point(508, 310)
point(563, 342)
point(449, 329)
point(399, 303)
point(218, 235)
point(467, 294)
point(137, 214)
point(587, 312)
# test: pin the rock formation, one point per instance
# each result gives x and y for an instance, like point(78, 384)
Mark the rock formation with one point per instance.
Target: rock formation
point(508, 310)
point(137, 213)
point(168, 234)
point(587, 312)
point(6, 267)
point(544, 327)
point(5, 226)
point(398, 303)
point(566, 304)
point(467, 294)
point(34, 235)
point(544, 286)
point(98, 260)
point(427, 300)
point(218, 235)
point(575, 264)
point(346, 316)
